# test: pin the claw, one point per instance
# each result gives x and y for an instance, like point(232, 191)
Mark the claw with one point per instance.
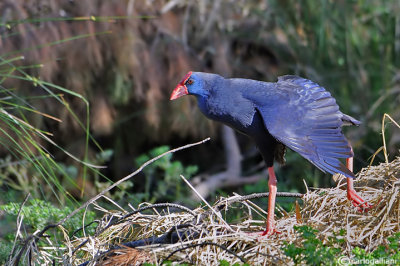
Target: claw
point(269, 232)
point(358, 202)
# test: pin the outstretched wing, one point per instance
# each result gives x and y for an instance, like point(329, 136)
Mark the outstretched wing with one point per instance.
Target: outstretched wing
point(306, 118)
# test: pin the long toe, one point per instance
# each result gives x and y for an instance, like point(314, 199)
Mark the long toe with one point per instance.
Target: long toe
point(358, 202)
point(269, 231)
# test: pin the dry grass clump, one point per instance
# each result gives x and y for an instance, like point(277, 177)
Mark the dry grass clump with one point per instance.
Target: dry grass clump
point(328, 210)
point(201, 237)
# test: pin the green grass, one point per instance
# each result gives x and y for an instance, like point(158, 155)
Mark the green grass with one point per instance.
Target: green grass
point(34, 216)
point(308, 249)
point(31, 167)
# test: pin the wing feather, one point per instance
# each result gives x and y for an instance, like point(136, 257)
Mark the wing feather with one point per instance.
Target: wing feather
point(307, 119)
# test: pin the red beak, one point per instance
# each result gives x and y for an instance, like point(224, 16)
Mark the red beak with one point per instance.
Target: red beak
point(181, 89)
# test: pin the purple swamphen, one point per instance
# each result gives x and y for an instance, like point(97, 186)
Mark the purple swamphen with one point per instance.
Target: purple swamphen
point(293, 112)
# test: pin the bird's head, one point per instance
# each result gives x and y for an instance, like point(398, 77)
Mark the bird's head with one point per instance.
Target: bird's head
point(194, 83)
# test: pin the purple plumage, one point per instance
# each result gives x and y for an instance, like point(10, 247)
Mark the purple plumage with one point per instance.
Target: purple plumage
point(293, 112)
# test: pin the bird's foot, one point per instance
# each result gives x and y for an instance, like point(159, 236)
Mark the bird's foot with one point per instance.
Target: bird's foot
point(358, 202)
point(269, 231)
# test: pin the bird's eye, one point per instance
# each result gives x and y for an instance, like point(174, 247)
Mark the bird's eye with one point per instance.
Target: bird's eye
point(189, 82)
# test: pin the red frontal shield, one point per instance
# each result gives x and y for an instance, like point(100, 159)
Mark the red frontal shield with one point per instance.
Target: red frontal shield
point(181, 89)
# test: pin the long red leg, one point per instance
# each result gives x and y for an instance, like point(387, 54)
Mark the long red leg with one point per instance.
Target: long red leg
point(352, 195)
point(270, 229)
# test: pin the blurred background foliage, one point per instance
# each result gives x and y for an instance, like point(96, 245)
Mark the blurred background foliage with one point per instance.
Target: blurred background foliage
point(125, 57)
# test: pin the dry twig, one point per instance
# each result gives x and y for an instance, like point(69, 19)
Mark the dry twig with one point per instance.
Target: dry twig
point(201, 239)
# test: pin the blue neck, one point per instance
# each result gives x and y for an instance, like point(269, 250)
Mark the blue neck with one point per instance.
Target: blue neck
point(202, 105)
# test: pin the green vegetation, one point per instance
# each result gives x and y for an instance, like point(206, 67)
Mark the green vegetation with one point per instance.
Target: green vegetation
point(30, 163)
point(388, 252)
point(226, 263)
point(5, 251)
point(35, 215)
point(159, 181)
point(162, 178)
point(312, 251)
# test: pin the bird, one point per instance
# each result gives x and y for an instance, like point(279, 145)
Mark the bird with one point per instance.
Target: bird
point(293, 112)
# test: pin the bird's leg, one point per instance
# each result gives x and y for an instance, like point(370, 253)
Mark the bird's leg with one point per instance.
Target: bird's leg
point(349, 163)
point(352, 195)
point(270, 229)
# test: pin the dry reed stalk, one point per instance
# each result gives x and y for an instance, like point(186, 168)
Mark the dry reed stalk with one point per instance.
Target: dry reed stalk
point(326, 209)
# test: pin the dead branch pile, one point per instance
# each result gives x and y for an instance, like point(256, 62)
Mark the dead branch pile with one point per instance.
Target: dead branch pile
point(202, 237)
